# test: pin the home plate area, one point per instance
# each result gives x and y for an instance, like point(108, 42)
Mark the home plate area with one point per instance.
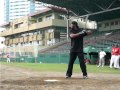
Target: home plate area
point(60, 83)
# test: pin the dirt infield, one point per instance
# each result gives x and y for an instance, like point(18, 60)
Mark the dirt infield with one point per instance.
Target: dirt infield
point(22, 79)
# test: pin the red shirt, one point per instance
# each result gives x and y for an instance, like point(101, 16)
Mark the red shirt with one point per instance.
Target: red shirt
point(119, 50)
point(115, 51)
point(8, 56)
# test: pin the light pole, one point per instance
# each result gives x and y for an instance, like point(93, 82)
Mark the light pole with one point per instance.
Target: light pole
point(36, 47)
point(86, 19)
point(67, 19)
point(68, 24)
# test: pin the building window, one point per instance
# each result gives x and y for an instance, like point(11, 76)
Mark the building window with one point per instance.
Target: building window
point(18, 25)
point(30, 42)
point(81, 20)
point(106, 25)
point(119, 22)
point(35, 33)
point(49, 17)
point(84, 20)
point(38, 42)
point(60, 17)
point(116, 22)
point(39, 19)
point(99, 25)
point(112, 23)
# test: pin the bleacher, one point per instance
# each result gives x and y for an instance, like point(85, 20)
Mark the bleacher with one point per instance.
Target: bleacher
point(59, 53)
point(106, 38)
point(97, 39)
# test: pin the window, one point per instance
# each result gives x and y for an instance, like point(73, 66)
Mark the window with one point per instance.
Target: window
point(30, 42)
point(112, 23)
point(49, 17)
point(60, 17)
point(38, 42)
point(81, 19)
point(39, 19)
point(116, 22)
point(99, 25)
point(106, 25)
point(84, 20)
point(35, 33)
point(18, 25)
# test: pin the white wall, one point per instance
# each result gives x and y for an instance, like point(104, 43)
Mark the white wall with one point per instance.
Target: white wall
point(85, 24)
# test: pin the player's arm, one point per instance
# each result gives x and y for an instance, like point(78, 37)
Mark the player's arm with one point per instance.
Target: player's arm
point(82, 33)
point(75, 35)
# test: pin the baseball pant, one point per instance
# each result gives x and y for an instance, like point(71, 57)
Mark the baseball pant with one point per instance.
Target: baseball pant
point(8, 59)
point(73, 56)
point(101, 61)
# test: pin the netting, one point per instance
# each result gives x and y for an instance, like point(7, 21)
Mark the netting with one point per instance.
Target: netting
point(60, 53)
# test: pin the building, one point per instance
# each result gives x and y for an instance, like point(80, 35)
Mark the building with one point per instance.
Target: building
point(18, 8)
point(44, 28)
point(107, 25)
point(41, 28)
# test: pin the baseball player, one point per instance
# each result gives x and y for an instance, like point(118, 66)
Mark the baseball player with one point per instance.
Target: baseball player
point(8, 58)
point(115, 57)
point(76, 35)
point(101, 58)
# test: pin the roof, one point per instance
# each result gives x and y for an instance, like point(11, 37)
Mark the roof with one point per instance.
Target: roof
point(59, 9)
point(83, 7)
point(4, 24)
point(39, 12)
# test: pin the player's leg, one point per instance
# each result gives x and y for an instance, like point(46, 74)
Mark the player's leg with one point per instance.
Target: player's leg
point(73, 56)
point(82, 64)
point(119, 62)
point(112, 61)
point(7, 60)
point(100, 62)
point(103, 62)
point(115, 62)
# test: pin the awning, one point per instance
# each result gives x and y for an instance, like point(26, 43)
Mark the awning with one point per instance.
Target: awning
point(83, 7)
point(108, 49)
point(90, 49)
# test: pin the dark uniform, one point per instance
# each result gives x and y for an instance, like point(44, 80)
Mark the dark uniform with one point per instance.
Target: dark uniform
point(77, 50)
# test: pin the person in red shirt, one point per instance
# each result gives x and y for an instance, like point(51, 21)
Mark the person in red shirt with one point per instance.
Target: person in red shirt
point(119, 55)
point(8, 57)
point(118, 59)
point(116, 65)
point(112, 56)
point(115, 57)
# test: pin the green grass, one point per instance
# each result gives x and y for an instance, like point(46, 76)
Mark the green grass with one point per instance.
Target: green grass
point(61, 67)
